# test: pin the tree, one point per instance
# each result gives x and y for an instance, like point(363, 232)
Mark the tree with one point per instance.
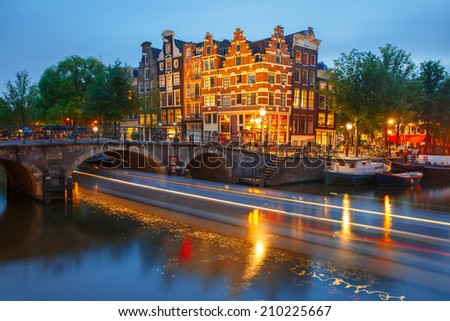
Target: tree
point(63, 88)
point(399, 90)
point(111, 97)
point(355, 81)
point(17, 105)
point(435, 106)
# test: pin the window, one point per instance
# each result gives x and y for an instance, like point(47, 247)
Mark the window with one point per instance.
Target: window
point(305, 58)
point(311, 99)
point(321, 120)
point(162, 99)
point(168, 49)
point(208, 50)
point(176, 79)
point(168, 64)
point(271, 79)
point(271, 98)
point(302, 124)
point(208, 118)
point(283, 79)
point(238, 61)
point(296, 97)
point(209, 82)
point(209, 100)
point(177, 98)
point(251, 99)
point(188, 90)
point(170, 98)
point(295, 123)
point(175, 63)
point(147, 86)
point(161, 66)
point(188, 53)
point(197, 91)
point(297, 74)
point(278, 45)
point(238, 48)
point(298, 56)
point(322, 102)
point(145, 58)
point(146, 73)
point(330, 120)
point(238, 79)
point(304, 98)
point(278, 59)
point(141, 88)
point(310, 128)
point(251, 78)
point(226, 81)
point(283, 99)
point(238, 99)
point(312, 60)
point(226, 100)
point(162, 82)
point(312, 78)
point(169, 81)
point(304, 77)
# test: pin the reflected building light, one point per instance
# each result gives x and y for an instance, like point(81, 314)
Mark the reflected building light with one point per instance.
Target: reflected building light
point(257, 254)
point(387, 222)
point(346, 229)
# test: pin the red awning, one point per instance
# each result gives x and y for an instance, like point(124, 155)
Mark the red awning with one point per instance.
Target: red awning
point(416, 138)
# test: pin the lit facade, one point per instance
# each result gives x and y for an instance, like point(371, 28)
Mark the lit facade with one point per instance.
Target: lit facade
point(171, 84)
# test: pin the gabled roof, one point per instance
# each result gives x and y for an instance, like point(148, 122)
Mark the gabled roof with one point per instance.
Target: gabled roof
point(259, 46)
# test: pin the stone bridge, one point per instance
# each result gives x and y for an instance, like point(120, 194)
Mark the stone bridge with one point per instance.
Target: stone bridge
point(43, 170)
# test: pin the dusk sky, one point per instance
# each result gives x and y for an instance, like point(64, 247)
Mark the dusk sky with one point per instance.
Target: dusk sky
point(35, 35)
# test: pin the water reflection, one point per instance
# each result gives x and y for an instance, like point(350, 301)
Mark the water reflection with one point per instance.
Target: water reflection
point(387, 222)
point(346, 229)
point(131, 251)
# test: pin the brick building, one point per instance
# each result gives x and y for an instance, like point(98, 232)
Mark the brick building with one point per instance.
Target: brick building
point(264, 90)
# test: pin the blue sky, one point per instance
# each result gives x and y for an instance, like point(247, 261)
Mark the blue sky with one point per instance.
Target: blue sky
point(37, 34)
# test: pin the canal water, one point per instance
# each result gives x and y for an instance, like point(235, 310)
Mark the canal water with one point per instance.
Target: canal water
point(106, 248)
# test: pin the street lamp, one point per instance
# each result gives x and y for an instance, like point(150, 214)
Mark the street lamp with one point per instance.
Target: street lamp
point(95, 129)
point(262, 114)
point(349, 128)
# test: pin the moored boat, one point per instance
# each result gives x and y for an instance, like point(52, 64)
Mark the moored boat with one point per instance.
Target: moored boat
point(354, 171)
point(399, 179)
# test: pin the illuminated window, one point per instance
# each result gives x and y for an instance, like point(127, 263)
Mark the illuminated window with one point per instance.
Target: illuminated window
point(162, 82)
point(311, 99)
point(251, 99)
point(296, 97)
point(321, 120)
point(304, 98)
point(271, 79)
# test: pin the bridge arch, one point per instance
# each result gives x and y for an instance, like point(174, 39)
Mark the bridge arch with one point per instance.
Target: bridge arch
point(23, 178)
point(211, 164)
point(121, 156)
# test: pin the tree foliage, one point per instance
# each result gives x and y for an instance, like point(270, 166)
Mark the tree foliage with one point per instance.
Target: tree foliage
point(63, 88)
point(434, 110)
point(17, 104)
point(111, 96)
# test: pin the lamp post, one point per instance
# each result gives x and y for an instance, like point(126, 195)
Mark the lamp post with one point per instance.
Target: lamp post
point(262, 114)
point(349, 128)
point(95, 129)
